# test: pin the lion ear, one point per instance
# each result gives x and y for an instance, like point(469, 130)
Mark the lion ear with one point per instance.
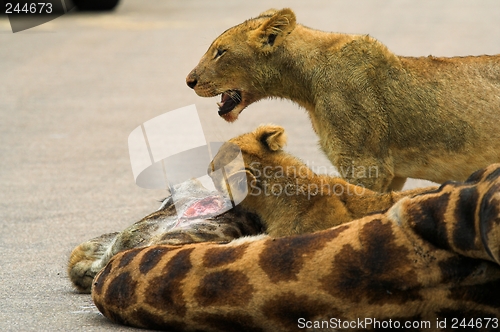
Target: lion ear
point(269, 12)
point(274, 30)
point(273, 137)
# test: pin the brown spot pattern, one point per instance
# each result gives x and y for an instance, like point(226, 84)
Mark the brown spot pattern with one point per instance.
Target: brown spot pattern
point(127, 257)
point(233, 232)
point(230, 322)
point(493, 175)
point(487, 293)
point(147, 319)
point(457, 268)
point(285, 309)
point(243, 222)
point(381, 271)
point(283, 258)
point(427, 219)
point(165, 291)
point(464, 234)
point(151, 258)
point(115, 317)
point(121, 291)
point(489, 216)
point(219, 256)
point(101, 278)
point(224, 287)
point(476, 176)
point(176, 237)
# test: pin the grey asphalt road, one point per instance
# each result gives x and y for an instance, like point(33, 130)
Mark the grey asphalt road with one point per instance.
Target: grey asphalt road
point(73, 89)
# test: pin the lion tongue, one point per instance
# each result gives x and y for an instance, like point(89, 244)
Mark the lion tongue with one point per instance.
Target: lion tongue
point(227, 104)
point(224, 97)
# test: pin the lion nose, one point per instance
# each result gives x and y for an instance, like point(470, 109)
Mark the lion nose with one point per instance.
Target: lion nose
point(191, 81)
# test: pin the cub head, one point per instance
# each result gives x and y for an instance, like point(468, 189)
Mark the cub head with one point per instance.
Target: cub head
point(260, 149)
point(235, 64)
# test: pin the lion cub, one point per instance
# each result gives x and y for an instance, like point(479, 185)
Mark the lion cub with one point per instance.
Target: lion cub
point(288, 196)
point(421, 117)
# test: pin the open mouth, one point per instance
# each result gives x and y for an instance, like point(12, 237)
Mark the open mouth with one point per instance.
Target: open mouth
point(229, 100)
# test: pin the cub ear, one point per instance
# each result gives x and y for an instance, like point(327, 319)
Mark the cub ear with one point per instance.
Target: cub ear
point(269, 12)
point(273, 137)
point(274, 29)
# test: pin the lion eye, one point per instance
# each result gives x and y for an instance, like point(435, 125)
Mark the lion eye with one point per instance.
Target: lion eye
point(219, 53)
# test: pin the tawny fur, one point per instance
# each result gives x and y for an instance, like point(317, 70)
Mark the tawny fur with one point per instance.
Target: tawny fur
point(430, 117)
point(288, 196)
point(429, 258)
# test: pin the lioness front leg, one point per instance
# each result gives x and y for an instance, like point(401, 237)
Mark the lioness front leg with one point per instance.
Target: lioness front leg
point(376, 174)
point(397, 183)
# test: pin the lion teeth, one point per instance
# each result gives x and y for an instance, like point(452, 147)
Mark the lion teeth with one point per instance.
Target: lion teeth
point(224, 97)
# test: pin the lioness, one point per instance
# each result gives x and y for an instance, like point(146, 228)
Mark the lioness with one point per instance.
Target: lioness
point(422, 117)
